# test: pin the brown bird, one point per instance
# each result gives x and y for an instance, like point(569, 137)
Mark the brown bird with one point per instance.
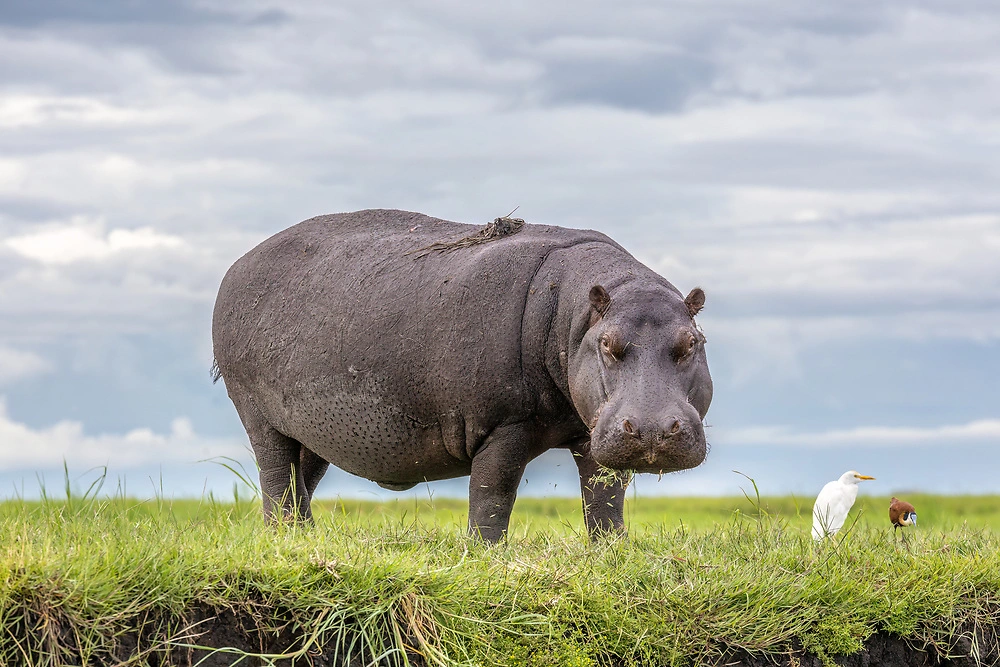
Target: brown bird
point(902, 514)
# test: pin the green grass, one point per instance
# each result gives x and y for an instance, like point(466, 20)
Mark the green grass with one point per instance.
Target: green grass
point(563, 515)
point(695, 578)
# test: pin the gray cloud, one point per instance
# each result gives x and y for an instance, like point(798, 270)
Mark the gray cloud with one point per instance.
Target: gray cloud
point(29, 14)
point(659, 83)
point(19, 213)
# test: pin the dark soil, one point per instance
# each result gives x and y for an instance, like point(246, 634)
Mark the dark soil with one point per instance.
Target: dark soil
point(263, 632)
point(202, 636)
point(887, 650)
point(254, 633)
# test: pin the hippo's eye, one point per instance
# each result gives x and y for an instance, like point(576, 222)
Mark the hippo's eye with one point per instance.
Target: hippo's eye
point(612, 346)
point(685, 346)
point(606, 345)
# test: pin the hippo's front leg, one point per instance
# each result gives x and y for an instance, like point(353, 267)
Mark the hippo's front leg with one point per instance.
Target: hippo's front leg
point(496, 473)
point(603, 493)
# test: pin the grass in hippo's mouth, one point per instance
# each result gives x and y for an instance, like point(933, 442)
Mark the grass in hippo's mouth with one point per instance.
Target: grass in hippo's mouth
point(609, 476)
point(101, 581)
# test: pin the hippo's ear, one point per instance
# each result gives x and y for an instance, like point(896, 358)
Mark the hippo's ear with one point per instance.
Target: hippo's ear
point(695, 301)
point(599, 302)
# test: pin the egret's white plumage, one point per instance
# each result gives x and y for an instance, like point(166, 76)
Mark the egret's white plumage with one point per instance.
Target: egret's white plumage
point(834, 502)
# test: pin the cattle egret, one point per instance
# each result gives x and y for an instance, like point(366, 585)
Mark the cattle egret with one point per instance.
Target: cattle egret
point(834, 502)
point(902, 514)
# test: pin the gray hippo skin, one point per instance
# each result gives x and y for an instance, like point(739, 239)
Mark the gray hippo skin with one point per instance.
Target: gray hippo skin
point(351, 339)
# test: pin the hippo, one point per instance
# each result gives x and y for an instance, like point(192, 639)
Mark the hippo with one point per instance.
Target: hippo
point(404, 348)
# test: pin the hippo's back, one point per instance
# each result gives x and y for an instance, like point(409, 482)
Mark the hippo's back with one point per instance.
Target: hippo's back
point(375, 283)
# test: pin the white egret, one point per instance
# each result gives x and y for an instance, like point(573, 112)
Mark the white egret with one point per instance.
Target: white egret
point(834, 502)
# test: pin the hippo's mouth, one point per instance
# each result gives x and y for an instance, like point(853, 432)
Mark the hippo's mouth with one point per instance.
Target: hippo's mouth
point(621, 446)
point(649, 463)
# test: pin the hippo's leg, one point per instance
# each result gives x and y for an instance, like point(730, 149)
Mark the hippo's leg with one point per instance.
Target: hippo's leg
point(278, 458)
point(496, 473)
point(603, 496)
point(313, 469)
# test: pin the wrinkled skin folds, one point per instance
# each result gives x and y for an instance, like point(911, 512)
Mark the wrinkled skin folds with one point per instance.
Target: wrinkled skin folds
point(344, 340)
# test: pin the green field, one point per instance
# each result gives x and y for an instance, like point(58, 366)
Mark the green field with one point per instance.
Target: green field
point(113, 581)
point(563, 516)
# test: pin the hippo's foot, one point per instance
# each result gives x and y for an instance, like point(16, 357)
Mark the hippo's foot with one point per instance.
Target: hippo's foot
point(401, 486)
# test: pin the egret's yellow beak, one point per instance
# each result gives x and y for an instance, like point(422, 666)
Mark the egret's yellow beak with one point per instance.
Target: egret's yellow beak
point(864, 477)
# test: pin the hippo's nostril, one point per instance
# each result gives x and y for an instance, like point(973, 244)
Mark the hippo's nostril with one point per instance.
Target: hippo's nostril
point(629, 429)
point(675, 428)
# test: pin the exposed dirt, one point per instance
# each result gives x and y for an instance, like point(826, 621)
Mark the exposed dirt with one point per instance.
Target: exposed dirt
point(205, 629)
point(202, 636)
point(887, 650)
point(248, 633)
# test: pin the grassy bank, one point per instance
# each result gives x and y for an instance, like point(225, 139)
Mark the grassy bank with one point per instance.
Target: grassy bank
point(696, 579)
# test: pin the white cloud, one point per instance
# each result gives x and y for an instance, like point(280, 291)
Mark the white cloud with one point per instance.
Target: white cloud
point(23, 447)
point(85, 240)
point(129, 183)
point(981, 430)
point(78, 279)
point(589, 48)
point(18, 364)
point(72, 244)
point(11, 174)
point(52, 111)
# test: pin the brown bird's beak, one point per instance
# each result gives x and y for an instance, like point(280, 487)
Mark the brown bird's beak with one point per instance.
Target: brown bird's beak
point(864, 477)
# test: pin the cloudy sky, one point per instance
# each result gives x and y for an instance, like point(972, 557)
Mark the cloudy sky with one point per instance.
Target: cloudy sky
point(828, 172)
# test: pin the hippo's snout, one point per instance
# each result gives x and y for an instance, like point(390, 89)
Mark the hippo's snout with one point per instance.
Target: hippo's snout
point(659, 430)
point(667, 443)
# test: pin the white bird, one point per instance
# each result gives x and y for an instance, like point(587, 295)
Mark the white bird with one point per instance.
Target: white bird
point(834, 502)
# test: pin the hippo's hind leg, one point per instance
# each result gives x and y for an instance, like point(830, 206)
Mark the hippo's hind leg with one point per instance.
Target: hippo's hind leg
point(603, 496)
point(279, 459)
point(313, 469)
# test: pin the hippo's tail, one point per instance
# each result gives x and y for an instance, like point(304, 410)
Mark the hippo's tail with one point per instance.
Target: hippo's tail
point(215, 371)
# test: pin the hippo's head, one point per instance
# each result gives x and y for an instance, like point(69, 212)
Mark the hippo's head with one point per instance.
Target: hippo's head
point(639, 378)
